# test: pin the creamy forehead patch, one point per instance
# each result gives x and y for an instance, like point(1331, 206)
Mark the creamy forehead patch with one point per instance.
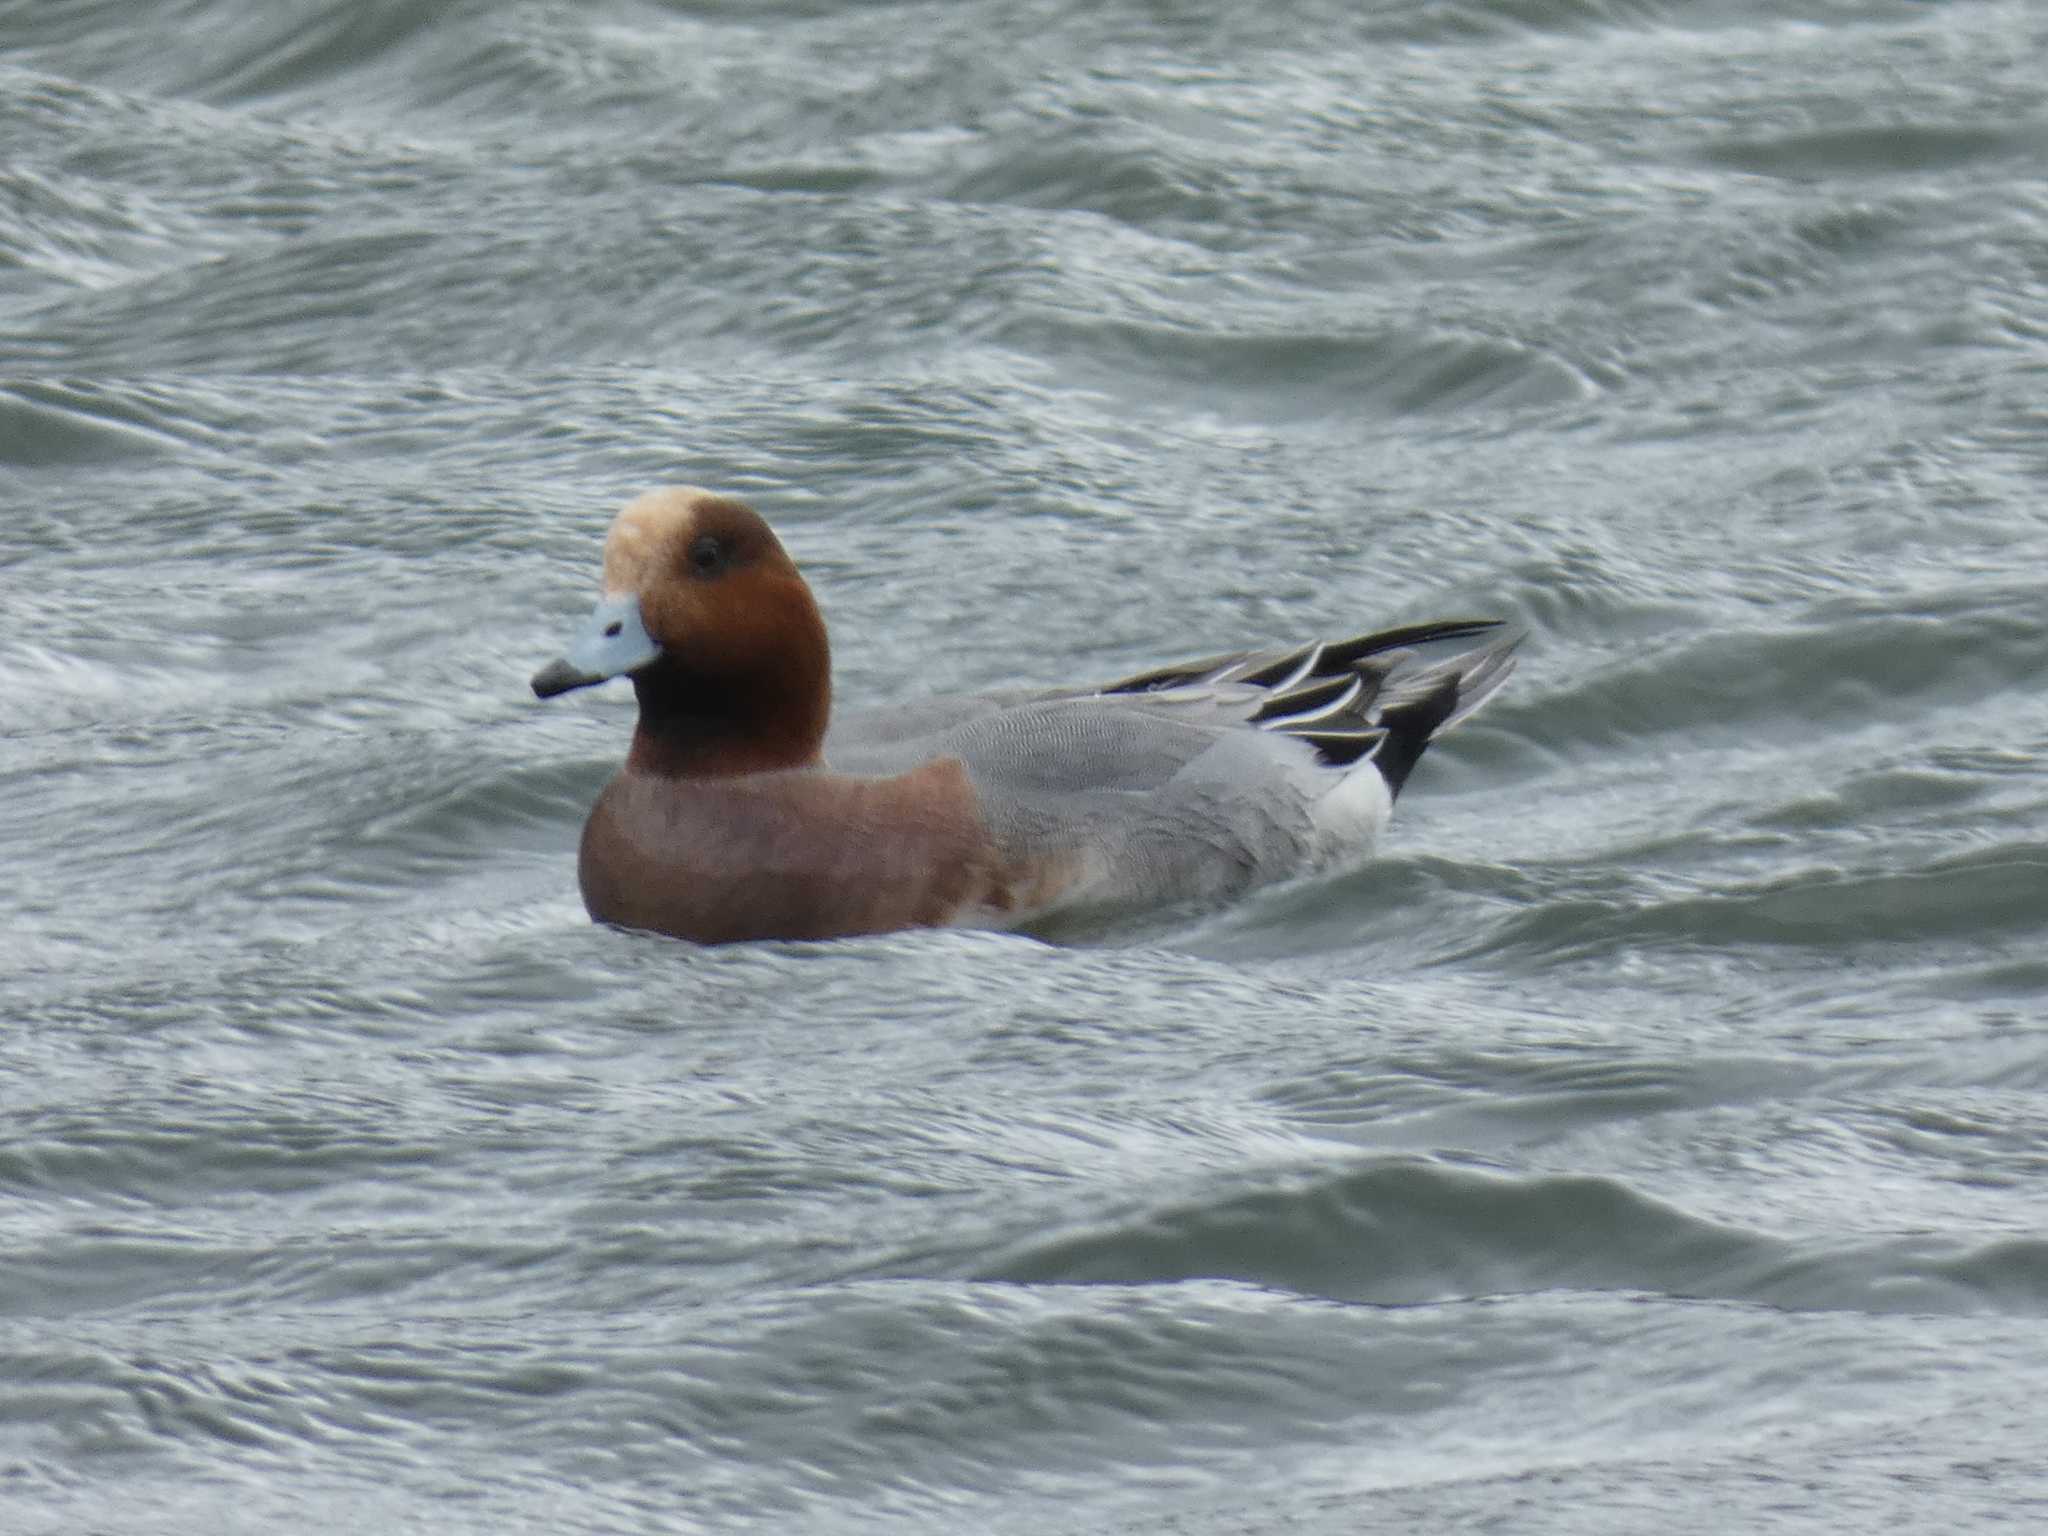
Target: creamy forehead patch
point(645, 527)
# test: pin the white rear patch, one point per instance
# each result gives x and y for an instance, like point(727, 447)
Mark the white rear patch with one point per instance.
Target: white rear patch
point(1350, 817)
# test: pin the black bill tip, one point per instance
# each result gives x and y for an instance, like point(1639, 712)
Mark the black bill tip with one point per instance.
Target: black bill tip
point(559, 677)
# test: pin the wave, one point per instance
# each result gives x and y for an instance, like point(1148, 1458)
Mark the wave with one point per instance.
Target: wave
point(1408, 1231)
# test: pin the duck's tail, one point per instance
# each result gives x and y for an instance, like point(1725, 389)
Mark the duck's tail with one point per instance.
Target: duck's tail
point(1366, 697)
point(1421, 704)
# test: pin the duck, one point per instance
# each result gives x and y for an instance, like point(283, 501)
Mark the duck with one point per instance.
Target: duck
point(746, 809)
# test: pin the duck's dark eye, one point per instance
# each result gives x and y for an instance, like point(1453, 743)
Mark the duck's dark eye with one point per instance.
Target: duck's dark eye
point(708, 554)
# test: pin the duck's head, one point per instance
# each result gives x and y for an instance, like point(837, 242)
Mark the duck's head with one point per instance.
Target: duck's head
point(706, 613)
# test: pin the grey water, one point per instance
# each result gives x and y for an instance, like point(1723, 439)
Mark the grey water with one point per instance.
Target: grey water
point(1655, 1137)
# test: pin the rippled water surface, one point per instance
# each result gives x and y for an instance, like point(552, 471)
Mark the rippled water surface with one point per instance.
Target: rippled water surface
point(1655, 1138)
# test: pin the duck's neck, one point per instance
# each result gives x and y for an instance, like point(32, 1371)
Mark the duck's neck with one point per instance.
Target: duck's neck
point(699, 725)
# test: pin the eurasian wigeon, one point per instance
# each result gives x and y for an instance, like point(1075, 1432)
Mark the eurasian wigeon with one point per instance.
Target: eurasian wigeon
point(740, 815)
